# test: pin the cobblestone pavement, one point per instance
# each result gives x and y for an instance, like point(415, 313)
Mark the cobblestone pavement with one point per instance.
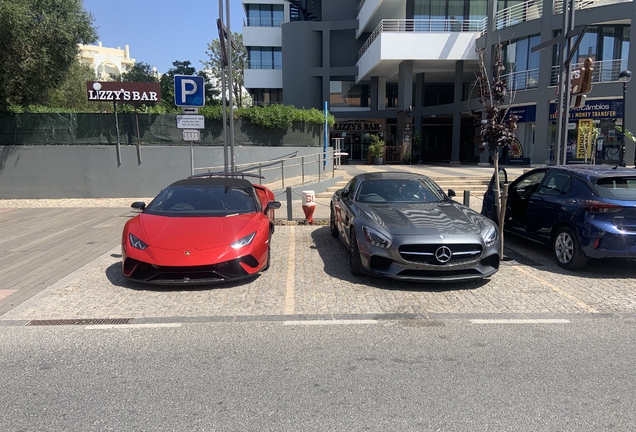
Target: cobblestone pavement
point(309, 276)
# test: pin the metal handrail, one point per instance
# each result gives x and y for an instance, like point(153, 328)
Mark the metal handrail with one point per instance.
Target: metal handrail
point(284, 165)
point(423, 26)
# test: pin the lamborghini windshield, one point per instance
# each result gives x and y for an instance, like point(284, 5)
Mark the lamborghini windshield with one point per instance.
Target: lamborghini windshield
point(203, 200)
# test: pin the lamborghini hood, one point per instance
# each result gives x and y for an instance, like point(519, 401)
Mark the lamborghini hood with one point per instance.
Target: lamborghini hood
point(196, 232)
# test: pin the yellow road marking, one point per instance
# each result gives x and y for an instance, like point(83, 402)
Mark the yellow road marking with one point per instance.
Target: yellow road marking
point(290, 302)
point(558, 290)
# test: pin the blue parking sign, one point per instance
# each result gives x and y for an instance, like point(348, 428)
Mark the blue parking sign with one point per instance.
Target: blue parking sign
point(189, 90)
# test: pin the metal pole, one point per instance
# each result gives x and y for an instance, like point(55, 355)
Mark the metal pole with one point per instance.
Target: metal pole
point(621, 162)
point(138, 139)
point(282, 173)
point(117, 130)
point(191, 159)
point(230, 82)
point(223, 98)
point(302, 169)
point(288, 192)
point(326, 136)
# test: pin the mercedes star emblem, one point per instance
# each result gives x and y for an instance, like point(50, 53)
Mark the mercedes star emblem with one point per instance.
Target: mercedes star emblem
point(443, 254)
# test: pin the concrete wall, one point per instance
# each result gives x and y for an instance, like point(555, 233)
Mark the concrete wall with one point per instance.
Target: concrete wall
point(93, 171)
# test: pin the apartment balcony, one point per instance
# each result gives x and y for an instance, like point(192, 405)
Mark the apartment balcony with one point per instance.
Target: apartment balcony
point(262, 35)
point(603, 71)
point(263, 77)
point(423, 41)
point(371, 12)
point(533, 9)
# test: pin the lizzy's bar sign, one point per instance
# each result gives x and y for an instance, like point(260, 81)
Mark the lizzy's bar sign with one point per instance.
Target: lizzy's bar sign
point(100, 91)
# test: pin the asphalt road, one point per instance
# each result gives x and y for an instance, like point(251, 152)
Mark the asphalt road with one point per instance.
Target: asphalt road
point(397, 375)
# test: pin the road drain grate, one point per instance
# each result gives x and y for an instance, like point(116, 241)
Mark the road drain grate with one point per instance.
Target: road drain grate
point(57, 322)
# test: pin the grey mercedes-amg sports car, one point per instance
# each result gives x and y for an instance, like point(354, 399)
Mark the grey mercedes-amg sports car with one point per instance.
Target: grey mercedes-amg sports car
point(403, 226)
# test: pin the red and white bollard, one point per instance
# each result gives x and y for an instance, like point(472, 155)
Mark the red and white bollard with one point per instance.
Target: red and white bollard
point(309, 205)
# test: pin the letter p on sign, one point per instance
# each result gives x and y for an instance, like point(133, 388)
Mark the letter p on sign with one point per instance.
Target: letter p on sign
point(189, 90)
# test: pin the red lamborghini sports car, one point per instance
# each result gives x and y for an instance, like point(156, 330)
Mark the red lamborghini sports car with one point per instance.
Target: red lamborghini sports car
point(204, 229)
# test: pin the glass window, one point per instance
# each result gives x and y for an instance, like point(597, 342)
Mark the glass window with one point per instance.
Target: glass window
point(588, 45)
point(349, 94)
point(478, 9)
point(623, 188)
point(262, 15)
point(204, 200)
point(557, 183)
point(265, 57)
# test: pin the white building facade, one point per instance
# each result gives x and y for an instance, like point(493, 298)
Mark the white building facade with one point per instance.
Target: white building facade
point(106, 62)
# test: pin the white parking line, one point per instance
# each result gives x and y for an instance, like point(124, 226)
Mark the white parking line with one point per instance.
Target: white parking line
point(558, 290)
point(520, 321)
point(330, 322)
point(130, 326)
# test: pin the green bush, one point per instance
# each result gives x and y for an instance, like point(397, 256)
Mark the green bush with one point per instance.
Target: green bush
point(376, 148)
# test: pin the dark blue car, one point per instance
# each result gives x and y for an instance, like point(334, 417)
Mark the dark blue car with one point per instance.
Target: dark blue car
point(580, 211)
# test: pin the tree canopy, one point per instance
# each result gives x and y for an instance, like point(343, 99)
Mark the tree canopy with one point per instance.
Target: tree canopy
point(140, 72)
point(39, 46)
point(185, 68)
point(239, 58)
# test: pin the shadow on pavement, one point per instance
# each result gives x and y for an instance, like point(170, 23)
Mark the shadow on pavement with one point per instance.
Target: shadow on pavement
point(115, 277)
point(335, 258)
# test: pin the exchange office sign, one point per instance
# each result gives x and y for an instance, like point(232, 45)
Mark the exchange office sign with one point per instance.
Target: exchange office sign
point(100, 91)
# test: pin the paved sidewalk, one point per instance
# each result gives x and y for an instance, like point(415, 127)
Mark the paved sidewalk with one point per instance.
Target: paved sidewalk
point(309, 278)
point(43, 241)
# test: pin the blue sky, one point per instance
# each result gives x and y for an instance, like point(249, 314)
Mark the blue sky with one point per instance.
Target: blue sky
point(159, 32)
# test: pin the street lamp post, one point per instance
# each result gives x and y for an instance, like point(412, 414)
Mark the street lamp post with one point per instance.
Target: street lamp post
point(624, 77)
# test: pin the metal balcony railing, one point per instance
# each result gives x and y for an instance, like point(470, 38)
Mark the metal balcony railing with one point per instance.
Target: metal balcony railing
point(579, 4)
point(604, 71)
point(255, 64)
point(423, 26)
point(532, 9)
point(522, 80)
point(263, 22)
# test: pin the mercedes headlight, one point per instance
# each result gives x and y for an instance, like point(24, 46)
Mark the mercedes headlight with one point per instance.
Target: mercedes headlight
point(490, 234)
point(136, 243)
point(375, 238)
point(244, 241)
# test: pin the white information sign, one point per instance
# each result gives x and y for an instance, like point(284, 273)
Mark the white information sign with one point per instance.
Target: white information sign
point(191, 135)
point(189, 121)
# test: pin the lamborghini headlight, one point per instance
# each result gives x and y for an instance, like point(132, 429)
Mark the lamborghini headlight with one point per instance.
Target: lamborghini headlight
point(136, 243)
point(375, 238)
point(490, 234)
point(244, 241)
